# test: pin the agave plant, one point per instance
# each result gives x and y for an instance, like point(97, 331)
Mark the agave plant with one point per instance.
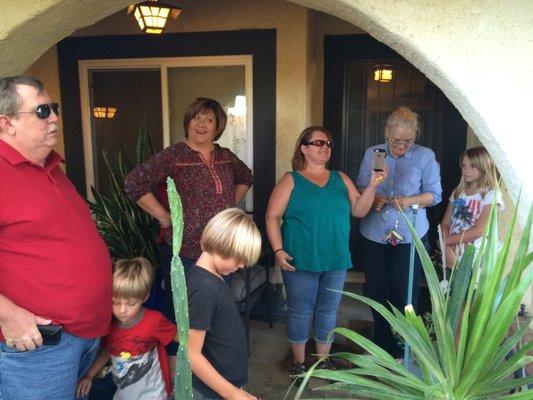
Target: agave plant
point(470, 355)
point(127, 230)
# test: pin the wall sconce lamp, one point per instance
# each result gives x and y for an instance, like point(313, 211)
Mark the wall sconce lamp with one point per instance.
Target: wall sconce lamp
point(152, 15)
point(383, 73)
point(104, 112)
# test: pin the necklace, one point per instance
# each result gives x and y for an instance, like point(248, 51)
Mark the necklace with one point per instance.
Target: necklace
point(393, 236)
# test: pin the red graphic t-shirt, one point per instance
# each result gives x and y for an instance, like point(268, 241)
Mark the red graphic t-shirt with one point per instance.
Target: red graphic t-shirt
point(139, 358)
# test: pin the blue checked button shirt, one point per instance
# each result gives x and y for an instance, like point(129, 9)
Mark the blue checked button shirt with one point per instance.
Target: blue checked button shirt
point(416, 172)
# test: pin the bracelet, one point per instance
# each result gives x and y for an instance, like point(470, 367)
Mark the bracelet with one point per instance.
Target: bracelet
point(278, 250)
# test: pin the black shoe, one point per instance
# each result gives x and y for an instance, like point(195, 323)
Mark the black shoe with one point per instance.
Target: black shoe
point(296, 370)
point(327, 364)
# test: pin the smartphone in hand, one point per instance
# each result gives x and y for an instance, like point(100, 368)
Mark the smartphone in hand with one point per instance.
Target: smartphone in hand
point(379, 159)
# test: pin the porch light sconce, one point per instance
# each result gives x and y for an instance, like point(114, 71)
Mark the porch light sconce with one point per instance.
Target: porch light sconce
point(104, 112)
point(383, 73)
point(152, 15)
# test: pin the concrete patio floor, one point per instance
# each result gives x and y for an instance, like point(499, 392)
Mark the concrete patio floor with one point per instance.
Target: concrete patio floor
point(269, 360)
point(268, 374)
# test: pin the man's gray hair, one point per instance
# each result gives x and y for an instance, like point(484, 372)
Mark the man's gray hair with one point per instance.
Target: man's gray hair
point(10, 100)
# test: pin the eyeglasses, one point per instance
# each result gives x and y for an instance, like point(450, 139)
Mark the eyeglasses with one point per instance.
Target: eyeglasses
point(320, 143)
point(397, 142)
point(43, 110)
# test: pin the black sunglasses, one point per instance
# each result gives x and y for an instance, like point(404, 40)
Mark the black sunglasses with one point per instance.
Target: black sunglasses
point(320, 143)
point(43, 110)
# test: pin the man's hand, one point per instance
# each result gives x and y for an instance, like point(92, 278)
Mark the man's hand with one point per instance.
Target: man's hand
point(379, 202)
point(20, 329)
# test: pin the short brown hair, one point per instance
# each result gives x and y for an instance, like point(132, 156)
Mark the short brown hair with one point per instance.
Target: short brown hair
point(132, 279)
point(10, 100)
point(298, 159)
point(201, 104)
point(232, 233)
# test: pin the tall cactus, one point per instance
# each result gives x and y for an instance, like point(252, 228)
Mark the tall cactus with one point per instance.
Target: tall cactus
point(182, 379)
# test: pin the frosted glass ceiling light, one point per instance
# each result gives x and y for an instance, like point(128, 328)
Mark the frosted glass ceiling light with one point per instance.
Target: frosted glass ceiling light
point(152, 15)
point(383, 73)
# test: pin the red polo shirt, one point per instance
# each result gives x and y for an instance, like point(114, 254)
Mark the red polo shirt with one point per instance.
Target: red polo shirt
point(53, 262)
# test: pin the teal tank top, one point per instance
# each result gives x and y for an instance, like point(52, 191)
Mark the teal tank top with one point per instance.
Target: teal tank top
point(316, 225)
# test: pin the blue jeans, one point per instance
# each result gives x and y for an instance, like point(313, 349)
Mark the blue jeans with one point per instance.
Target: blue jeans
point(387, 274)
point(48, 372)
point(309, 298)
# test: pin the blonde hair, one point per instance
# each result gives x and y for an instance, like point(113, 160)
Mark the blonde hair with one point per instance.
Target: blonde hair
point(132, 278)
point(298, 159)
point(405, 117)
point(479, 158)
point(231, 233)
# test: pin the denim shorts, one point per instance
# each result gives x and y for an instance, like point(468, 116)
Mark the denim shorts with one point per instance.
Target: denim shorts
point(309, 299)
point(48, 372)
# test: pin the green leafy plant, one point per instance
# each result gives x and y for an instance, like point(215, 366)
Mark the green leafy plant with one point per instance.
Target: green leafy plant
point(183, 377)
point(127, 230)
point(469, 356)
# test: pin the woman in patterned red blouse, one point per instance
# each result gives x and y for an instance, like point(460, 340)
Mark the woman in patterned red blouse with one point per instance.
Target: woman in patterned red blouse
point(208, 178)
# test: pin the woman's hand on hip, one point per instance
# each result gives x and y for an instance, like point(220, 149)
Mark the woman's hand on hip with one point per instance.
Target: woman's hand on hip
point(164, 221)
point(283, 260)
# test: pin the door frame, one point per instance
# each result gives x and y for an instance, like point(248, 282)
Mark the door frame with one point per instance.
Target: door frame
point(259, 43)
point(163, 64)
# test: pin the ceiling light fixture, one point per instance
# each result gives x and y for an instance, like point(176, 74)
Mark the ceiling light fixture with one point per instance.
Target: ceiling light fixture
point(152, 15)
point(383, 73)
point(104, 112)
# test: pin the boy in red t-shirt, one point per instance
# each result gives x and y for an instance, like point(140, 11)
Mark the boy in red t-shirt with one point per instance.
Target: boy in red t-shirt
point(136, 340)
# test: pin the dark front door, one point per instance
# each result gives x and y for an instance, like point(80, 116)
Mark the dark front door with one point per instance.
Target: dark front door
point(356, 108)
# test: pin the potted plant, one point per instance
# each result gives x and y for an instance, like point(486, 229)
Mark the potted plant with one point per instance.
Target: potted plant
point(127, 230)
point(470, 355)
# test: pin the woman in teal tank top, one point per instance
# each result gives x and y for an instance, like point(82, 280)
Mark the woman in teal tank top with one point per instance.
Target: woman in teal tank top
point(311, 247)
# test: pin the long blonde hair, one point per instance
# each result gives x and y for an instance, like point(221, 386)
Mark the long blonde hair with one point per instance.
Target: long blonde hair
point(480, 159)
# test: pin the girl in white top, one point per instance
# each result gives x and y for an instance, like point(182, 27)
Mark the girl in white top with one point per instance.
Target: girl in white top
point(469, 206)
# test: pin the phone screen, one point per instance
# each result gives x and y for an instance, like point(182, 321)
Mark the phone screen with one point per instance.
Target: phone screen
point(379, 159)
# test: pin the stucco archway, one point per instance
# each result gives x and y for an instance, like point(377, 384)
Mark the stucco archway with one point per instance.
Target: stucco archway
point(478, 54)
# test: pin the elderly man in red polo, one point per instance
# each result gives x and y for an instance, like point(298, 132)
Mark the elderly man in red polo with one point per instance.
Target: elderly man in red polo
point(55, 270)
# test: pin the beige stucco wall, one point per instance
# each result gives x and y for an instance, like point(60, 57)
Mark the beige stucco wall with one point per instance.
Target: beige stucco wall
point(299, 68)
point(478, 52)
point(290, 21)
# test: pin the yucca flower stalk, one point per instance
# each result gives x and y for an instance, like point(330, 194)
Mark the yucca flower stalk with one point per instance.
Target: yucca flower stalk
point(469, 357)
point(183, 378)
